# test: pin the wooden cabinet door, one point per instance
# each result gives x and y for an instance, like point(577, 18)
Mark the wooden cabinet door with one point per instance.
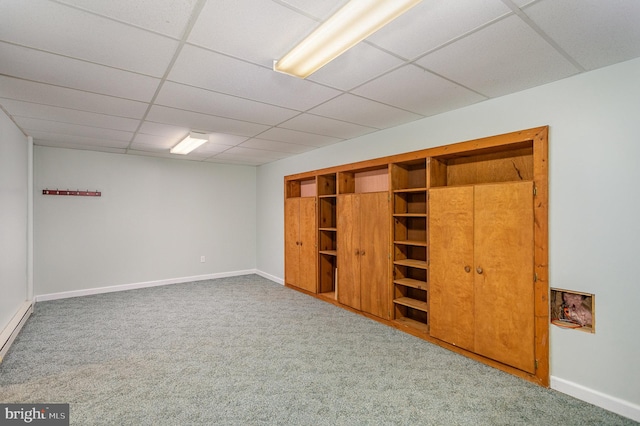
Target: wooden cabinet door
point(481, 270)
point(291, 240)
point(300, 243)
point(348, 225)
point(450, 266)
point(307, 270)
point(504, 293)
point(374, 254)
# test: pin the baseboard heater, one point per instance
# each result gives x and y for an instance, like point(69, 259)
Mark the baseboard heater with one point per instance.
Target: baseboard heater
point(12, 329)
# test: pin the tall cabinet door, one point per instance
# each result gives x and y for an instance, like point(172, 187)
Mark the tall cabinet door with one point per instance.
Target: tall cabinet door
point(481, 270)
point(374, 254)
point(504, 290)
point(300, 243)
point(348, 224)
point(450, 265)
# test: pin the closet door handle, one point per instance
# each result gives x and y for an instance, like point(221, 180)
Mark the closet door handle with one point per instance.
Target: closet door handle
point(362, 253)
point(467, 269)
point(479, 270)
point(357, 252)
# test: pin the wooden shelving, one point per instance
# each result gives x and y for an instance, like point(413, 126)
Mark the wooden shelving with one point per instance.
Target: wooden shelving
point(327, 234)
point(410, 283)
point(385, 244)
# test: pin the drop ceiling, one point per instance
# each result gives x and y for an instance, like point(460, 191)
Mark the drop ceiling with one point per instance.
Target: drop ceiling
point(135, 76)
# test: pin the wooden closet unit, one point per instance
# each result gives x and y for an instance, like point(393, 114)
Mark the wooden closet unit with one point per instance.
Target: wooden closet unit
point(448, 243)
point(300, 235)
point(363, 242)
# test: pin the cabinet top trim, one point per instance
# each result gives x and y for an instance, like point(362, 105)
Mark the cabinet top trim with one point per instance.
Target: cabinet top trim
point(519, 139)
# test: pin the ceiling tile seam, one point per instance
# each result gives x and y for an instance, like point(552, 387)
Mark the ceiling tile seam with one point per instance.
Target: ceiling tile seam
point(192, 20)
point(412, 61)
point(527, 20)
point(300, 11)
point(67, 109)
point(66, 135)
point(275, 150)
point(74, 89)
point(374, 129)
point(462, 36)
point(73, 124)
point(14, 121)
point(61, 55)
point(112, 19)
point(257, 64)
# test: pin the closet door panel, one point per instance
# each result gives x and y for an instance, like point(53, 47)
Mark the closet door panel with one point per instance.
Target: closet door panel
point(291, 239)
point(504, 290)
point(374, 253)
point(307, 264)
point(348, 225)
point(451, 265)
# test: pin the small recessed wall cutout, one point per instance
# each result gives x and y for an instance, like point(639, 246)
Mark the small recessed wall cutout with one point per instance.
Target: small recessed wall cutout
point(573, 309)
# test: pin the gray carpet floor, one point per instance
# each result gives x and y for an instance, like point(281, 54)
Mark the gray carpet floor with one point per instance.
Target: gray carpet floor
point(247, 351)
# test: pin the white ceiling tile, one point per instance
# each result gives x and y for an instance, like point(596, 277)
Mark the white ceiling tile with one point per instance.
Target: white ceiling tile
point(167, 17)
point(601, 32)
point(203, 123)
point(275, 146)
point(165, 130)
point(81, 146)
point(45, 112)
point(296, 137)
point(355, 109)
point(60, 71)
point(153, 142)
point(45, 94)
point(49, 138)
point(504, 58)
point(213, 103)
point(433, 23)
point(67, 31)
point(36, 125)
point(226, 27)
point(261, 154)
point(234, 77)
point(326, 126)
point(414, 89)
point(318, 9)
point(238, 162)
point(347, 72)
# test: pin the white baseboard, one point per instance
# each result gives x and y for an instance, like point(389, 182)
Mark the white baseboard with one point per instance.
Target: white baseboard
point(270, 277)
point(123, 287)
point(608, 402)
point(8, 335)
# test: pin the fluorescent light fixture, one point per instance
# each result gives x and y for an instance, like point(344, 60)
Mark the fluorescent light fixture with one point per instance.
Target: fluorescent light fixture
point(354, 22)
point(191, 142)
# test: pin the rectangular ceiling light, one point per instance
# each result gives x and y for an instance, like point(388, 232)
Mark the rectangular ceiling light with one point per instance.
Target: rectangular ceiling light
point(354, 22)
point(191, 142)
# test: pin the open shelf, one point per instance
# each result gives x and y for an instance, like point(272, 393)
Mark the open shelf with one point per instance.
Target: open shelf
point(412, 303)
point(413, 283)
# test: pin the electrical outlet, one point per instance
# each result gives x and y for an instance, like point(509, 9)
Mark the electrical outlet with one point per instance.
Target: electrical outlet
point(202, 260)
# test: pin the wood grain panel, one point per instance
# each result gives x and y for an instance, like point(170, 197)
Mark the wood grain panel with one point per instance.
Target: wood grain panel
point(291, 240)
point(307, 269)
point(348, 251)
point(504, 289)
point(374, 254)
point(451, 260)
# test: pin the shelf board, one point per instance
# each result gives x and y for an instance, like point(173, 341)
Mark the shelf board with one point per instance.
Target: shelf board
point(413, 263)
point(408, 322)
point(410, 282)
point(409, 215)
point(396, 191)
point(328, 229)
point(412, 303)
point(328, 295)
point(327, 196)
point(411, 243)
point(329, 252)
